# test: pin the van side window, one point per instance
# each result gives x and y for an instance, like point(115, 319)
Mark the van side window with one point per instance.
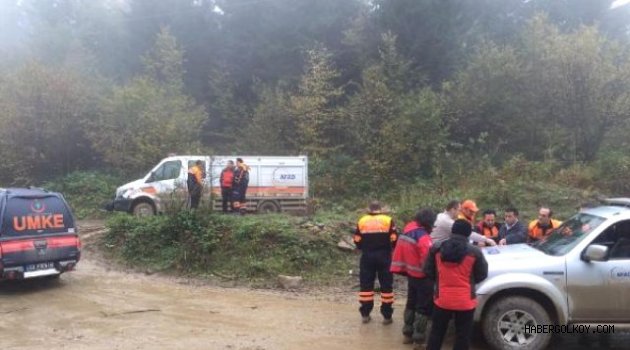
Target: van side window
point(168, 171)
point(617, 239)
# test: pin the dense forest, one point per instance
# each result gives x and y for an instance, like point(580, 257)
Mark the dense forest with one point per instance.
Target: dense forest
point(379, 94)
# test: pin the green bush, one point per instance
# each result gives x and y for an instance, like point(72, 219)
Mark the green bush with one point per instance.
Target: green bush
point(86, 192)
point(256, 248)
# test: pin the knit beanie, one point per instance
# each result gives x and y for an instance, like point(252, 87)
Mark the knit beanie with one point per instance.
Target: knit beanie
point(461, 227)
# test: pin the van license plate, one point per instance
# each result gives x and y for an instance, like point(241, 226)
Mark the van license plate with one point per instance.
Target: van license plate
point(39, 266)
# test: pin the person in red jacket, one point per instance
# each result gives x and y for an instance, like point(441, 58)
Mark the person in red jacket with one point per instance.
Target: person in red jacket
point(408, 260)
point(227, 180)
point(456, 266)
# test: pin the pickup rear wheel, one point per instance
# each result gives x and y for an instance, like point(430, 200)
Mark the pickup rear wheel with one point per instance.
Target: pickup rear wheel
point(505, 324)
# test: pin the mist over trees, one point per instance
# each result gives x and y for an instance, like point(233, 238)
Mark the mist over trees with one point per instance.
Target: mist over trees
point(375, 92)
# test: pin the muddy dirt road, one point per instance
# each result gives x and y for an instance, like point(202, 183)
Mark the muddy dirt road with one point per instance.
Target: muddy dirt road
point(97, 307)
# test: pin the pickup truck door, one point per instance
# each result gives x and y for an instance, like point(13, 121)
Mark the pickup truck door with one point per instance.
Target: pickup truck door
point(598, 290)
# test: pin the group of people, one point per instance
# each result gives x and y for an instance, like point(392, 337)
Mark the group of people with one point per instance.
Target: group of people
point(234, 180)
point(440, 256)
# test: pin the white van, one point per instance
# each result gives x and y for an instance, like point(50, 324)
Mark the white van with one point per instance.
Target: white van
point(275, 184)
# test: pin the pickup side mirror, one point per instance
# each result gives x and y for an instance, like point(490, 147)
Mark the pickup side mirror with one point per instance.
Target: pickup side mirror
point(151, 177)
point(595, 252)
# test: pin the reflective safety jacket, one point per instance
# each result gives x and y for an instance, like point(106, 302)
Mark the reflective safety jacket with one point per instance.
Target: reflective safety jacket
point(536, 231)
point(375, 231)
point(489, 232)
point(411, 251)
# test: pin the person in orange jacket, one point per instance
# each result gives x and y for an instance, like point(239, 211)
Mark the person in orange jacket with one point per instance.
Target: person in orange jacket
point(408, 260)
point(195, 184)
point(489, 227)
point(541, 228)
point(227, 180)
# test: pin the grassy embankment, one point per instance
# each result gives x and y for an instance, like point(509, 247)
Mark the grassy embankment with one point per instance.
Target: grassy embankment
point(257, 248)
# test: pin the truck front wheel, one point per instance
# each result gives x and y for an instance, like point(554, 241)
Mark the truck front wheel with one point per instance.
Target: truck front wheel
point(143, 209)
point(507, 325)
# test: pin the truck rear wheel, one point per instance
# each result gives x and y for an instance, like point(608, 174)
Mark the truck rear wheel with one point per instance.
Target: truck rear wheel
point(268, 207)
point(143, 209)
point(506, 321)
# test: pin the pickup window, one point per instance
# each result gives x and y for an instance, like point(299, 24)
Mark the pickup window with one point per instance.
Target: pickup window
point(569, 234)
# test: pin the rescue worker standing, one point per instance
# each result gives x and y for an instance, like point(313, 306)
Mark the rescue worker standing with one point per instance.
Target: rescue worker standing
point(195, 184)
point(227, 180)
point(542, 227)
point(240, 183)
point(456, 266)
point(376, 236)
point(410, 254)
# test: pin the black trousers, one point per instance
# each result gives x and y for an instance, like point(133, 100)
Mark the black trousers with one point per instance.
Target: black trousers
point(376, 264)
point(226, 197)
point(195, 197)
point(420, 295)
point(463, 328)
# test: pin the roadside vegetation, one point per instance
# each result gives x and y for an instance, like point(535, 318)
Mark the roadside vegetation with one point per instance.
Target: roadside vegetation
point(255, 249)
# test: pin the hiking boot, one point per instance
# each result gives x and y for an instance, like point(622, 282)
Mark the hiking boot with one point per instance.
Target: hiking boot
point(418, 346)
point(366, 319)
point(407, 340)
point(387, 321)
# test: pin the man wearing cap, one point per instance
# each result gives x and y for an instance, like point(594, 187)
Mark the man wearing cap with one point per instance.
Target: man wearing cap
point(456, 266)
point(454, 210)
point(376, 237)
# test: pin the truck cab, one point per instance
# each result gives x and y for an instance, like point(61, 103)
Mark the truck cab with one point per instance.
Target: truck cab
point(275, 184)
point(579, 274)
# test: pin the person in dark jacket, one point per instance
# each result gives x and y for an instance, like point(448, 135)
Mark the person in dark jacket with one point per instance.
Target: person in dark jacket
point(227, 180)
point(240, 184)
point(456, 266)
point(512, 231)
point(376, 237)
point(408, 260)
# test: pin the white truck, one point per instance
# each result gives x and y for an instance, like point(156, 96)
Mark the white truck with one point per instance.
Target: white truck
point(276, 184)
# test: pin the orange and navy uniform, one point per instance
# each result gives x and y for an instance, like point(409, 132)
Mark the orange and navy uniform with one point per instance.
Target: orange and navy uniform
point(376, 237)
point(491, 232)
point(536, 231)
point(197, 173)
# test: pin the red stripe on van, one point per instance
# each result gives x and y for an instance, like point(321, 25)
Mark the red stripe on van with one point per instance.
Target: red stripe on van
point(26, 245)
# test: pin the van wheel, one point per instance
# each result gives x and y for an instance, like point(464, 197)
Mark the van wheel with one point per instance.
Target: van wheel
point(143, 209)
point(505, 323)
point(268, 207)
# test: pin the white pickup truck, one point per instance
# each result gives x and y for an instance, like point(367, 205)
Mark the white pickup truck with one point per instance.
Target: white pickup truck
point(275, 184)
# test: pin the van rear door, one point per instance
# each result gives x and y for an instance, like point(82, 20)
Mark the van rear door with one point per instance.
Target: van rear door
point(37, 229)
